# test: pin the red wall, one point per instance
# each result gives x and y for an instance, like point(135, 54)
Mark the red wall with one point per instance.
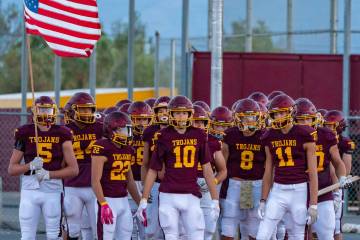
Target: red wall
point(317, 77)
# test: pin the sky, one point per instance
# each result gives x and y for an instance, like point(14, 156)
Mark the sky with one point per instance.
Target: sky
point(165, 16)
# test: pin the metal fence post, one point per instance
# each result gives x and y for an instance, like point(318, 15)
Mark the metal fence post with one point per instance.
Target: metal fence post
point(289, 20)
point(92, 74)
point(249, 33)
point(131, 38)
point(184, 46)
point(173, 67)
point(157, 64)
point(24, 77)
point(57, 79)
point(333, 26)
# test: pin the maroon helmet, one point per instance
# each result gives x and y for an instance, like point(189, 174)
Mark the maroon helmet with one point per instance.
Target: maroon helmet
point(259, 97)
point(220, 117)
point(320, 117)
point(233, 106)
point(125, 108)
point(281, 104)
point(263, 115)
point(204, 105)
point(150, 102)
point(322, 111)
point(305, 109)
point(201, 115)
point(141, 116)
point(161, 117)
point(83, 108)
point(247, 115)
point(110, 110)
point(122, 102)
point(67, 113)
point(180, 104)
point(275, 93)
point(117, 128)
point(44, 111)
point(335, 120)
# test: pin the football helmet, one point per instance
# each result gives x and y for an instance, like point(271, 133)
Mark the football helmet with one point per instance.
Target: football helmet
point(122, 102)
point(320, 117)
point(304, 110)
point(80, 103)
point(140, 111)
point(263, 115)
point(117, 128)
point(204, 105)
point(222, 117)
point(281, 105)
point(180, 104)
point(67, 113)
point(233, 106)
point(273, 94)
point(335, 120)
point(110, 110)
point(44, 111)
point(125, 108)
point(247, 115)
point(150, 102)
point(259, 97)
point(201, 115)
point(161, 103)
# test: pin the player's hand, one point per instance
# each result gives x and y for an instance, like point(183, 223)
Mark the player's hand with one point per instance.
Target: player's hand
point(337, 200)
point(215, 209)
point(106, 214)
point(42, 174)
point(36, 164)
point(141, 212)
point(261, 209)
point(203, 186)
point(312, 214)
point(345, 182)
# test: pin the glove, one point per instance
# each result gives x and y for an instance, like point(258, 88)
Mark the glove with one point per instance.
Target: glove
point(337, 200)
point(215, 209)
point(106, 214)
point(36, 164)
point(345, 182)
point(312, 214)
point(261, 209)
point(203, 186)
point(42, 175)
point(141, 212)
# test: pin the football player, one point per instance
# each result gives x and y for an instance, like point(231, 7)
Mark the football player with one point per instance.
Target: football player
point(150, 102)
point(78, 192)
point(201, 120)
point(160, 121)
point(141, 116)
point(122, 102)
point(42, 174)
point(259, 97)
point(290, 164)
point(335, 121)
point(180, 147)
point(245, 155)
point(326, 152)
point(111, 178)
point(204, 105)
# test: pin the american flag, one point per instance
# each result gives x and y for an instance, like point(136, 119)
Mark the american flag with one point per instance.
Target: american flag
point(71, 28)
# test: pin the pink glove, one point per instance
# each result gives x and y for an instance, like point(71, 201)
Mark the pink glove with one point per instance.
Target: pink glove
point(106, 213)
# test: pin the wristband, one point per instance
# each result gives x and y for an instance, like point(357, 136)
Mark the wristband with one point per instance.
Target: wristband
point(216, 181)
point(103, 203)
point(262, 200)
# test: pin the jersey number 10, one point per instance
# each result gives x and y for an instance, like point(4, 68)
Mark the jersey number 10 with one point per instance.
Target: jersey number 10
point(185, 156)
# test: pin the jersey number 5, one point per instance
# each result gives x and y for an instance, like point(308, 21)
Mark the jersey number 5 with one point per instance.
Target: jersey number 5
point(45, 151)
point(182, 157)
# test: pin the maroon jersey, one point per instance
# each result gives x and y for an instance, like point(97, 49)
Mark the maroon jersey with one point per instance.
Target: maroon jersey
point(346, 145)
point(49, 144)
point(84, 139)
point(246, 155)
point(214, 146)
point(180, 153)
point(117, 165)
point(138, 145)
point(288, 154)
point(150, 136)
point(325, 140)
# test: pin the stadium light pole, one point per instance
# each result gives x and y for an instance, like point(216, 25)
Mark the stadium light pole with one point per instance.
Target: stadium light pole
point(92, 74)
point(24, 77)
point(333, 26)
point(216, 53)
point(184, 46)
point(131, 36)
point(157, 64)
point(173, 67)
point(346, 75)
point(57, 79)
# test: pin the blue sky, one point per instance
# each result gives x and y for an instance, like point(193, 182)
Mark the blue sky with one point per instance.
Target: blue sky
point(165, 17)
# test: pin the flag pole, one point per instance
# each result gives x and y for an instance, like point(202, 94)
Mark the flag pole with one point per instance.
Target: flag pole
point(32, 92)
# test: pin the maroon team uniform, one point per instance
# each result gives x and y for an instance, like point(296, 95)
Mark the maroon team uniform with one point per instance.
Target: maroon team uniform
point(138, 145)
point(214, 146)
point(114, 177)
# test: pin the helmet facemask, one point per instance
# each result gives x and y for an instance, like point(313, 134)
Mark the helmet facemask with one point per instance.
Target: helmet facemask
point(84, 113)
point(122, 136)
point(140, 122)
point(180, 123)
point(204, 122)
point(300, 120)
point(248, 121)
point(161, 115)
point(219, 134)
point(45, 114)
point(283, 121)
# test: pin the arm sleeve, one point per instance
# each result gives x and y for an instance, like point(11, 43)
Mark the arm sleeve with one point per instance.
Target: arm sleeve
point(67, 135)
point(204, 154)
point(98, 150)
point(310, 135)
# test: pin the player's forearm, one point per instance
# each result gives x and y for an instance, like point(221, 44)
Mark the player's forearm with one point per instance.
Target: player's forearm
point(220, 165)
point(266, 185)
point(347, 158)
point(67, 172)
point(313, 179)
point(96, 186)
point(210, 181)
point(149, 182)
point(18, 169)
point(340, 169)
